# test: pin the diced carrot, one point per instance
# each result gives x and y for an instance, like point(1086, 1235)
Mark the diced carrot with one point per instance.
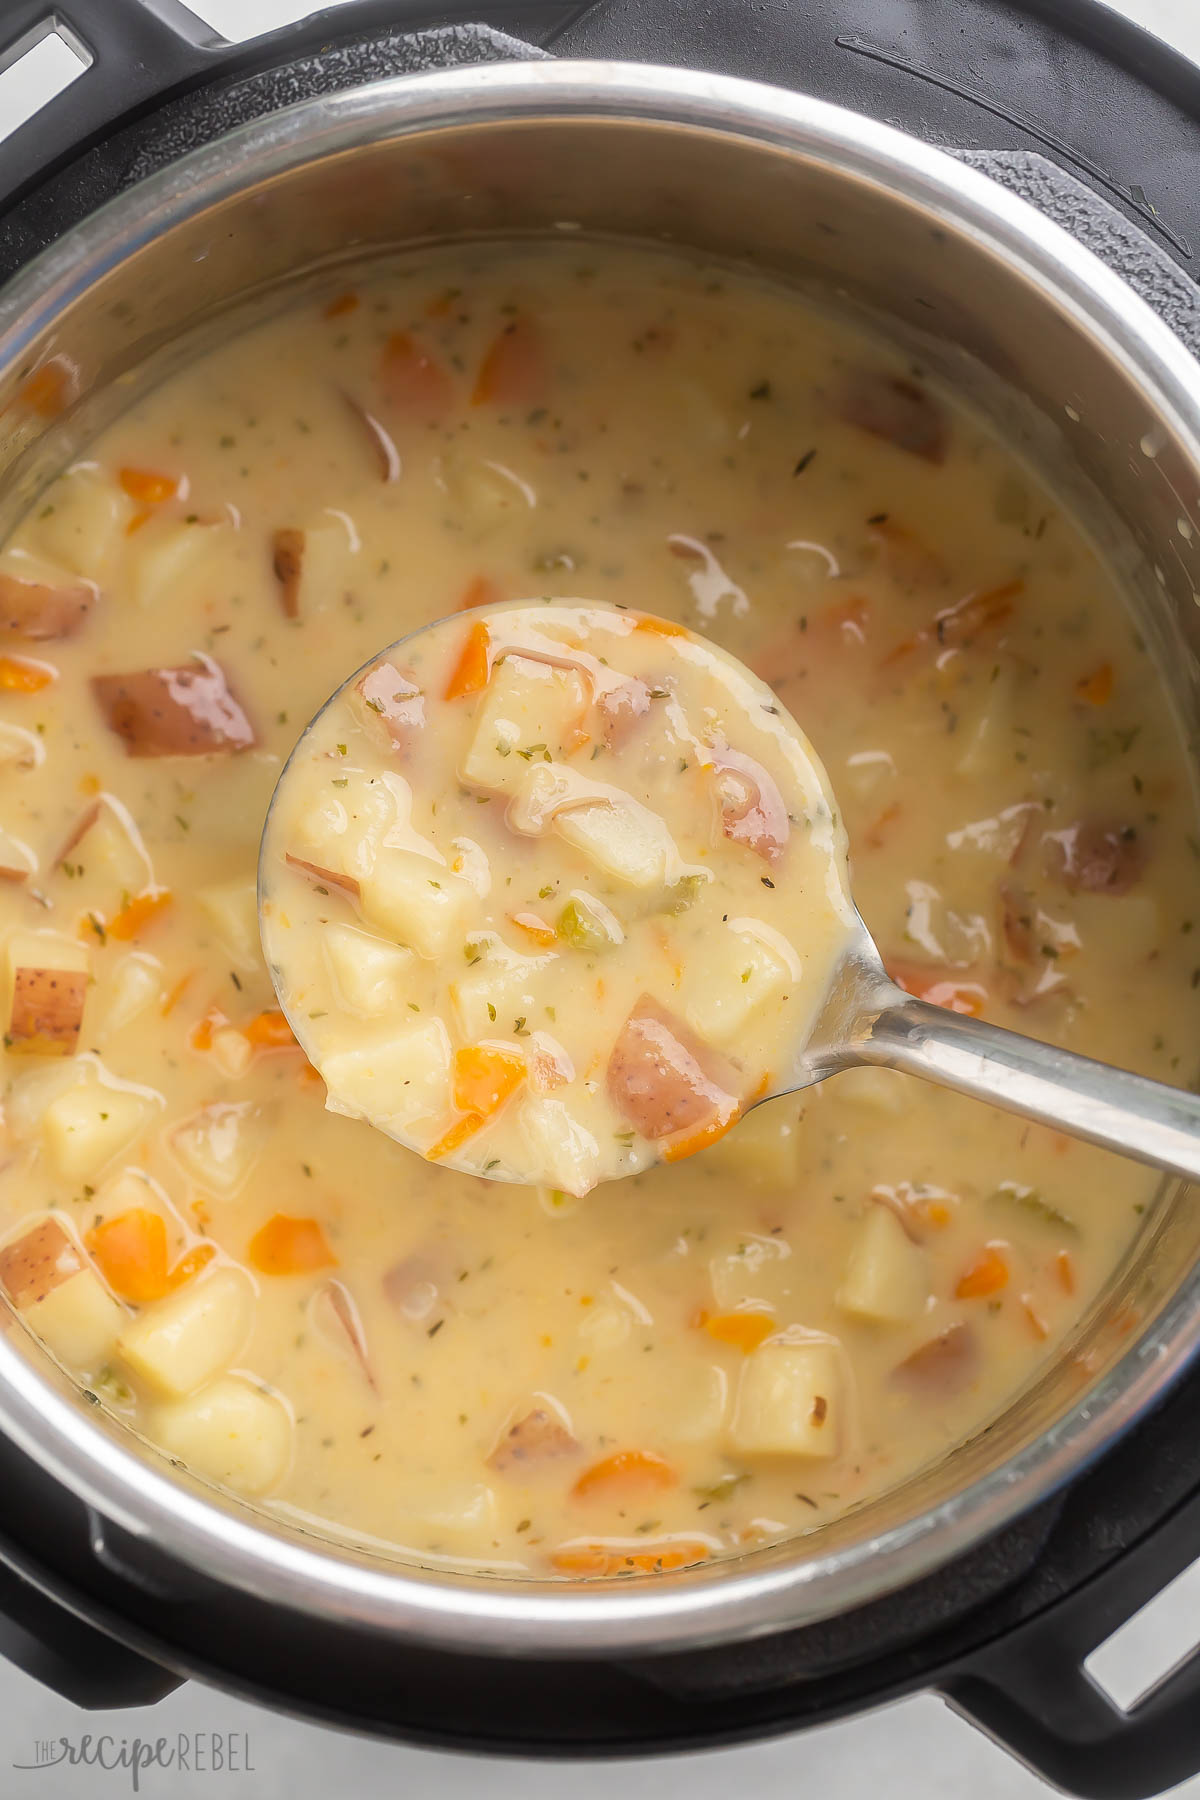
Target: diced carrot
point(137, 521)
point(190, 1264)
point(653, 626)
point(963, 622)
point(1037, 1324)
point(698, 1317)
point(269, 1030)
point(1096, 688)
point(456, 1137)
point(583, 1560)
point(20, 675)
point(131, 1251)
point(625, 1472)
point(340, 305)
point(310, 1077)
point(412, 381)
point(986, 1275)
point(934, 1213)
point(89, 784)
point(535, 928)
point(287, 1246)
point(201, 1034)
point(873, 836)
point(675, 1149)
point(1065, 1269)
point(744, 1330)
point(481, 590)
point(472, 671)
point(176, 994)
point(926, 982)
point(485, 1075)
point(138, 913)
point(512, 372)
point(50, 389)
point(148, 487)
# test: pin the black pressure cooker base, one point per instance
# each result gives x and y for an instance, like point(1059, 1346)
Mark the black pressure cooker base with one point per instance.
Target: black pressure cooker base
point(1099, 126)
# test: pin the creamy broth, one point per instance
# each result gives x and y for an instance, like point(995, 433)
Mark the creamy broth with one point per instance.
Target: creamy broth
point(702, 1357)
point(554, 893)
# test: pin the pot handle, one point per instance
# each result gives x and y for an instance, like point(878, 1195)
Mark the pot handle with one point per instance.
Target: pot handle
point(142, 54)
point(1031, 1692)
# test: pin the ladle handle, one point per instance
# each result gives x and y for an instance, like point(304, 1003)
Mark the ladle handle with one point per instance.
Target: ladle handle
point(1136, 1117)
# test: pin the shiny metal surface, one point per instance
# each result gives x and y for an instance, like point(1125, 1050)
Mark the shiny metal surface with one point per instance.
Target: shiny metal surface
point(868, 1019)
point(1065, 359)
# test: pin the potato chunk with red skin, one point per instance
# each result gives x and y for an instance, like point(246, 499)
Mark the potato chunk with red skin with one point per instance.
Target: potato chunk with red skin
point(37, 610)
point(287, 562)
point(663, 1080)
point(389, 705)
point(1097, 856)
point(900, 412)
point(39, 1261)
point(945, 1365)
point(753, 812)
point(187, 711)
point(536, 1439)
point(47, 1011)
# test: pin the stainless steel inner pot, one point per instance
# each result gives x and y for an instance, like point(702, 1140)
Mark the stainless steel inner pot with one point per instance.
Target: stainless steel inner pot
point(1061, 354)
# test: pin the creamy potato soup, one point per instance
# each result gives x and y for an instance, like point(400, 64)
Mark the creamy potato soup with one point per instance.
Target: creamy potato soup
point(703, 1357)
point(655, 833)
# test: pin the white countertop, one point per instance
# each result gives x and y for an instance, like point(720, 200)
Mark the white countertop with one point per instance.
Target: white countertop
point(916, 1750)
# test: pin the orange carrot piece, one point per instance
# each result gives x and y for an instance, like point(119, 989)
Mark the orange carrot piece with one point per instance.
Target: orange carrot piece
point(873, 837)
point(176, 994)
point(485, 1075)
point(131, 1251)
point(584, 1560)
point(986, 1275)
point(1037, 1324)
point(287, 1246)
point(687, 1143)
point(512, 372)
point(535, 928)
point(653, 626)
point(1065, 1268)
point(926, 982)
point(481, 590)
point(190, 1265)
point(139, 912)
point(20, 675)
point(50, 389)
point(744, 1330)
point(412, 381)
point(456, 1137)
point(201, 1035)
point(629, 1472)
point(472, 671)
point(1096, 688)
point(269, 1030)
point(148, 486)
point(340, 305)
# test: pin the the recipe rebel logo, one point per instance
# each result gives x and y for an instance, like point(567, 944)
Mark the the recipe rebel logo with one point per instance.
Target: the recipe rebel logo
point(184, 1752)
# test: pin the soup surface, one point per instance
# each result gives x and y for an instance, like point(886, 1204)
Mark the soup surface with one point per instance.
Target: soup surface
point(655, 832)
point(701, 1357)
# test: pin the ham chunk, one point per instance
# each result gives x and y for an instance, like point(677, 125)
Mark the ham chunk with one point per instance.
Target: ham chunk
point(389, 705)
point(539, 1437)
point(188, 711)
point(38, 609)
point(664, 1081)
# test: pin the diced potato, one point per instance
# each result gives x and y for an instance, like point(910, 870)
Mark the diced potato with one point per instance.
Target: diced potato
point(452, 1511)
point(47, 980)
point(41, 1259)
point(755, 1273)
point(231, 1050)
point(135, 984)
point(79, 1321)
point(39, 1083)
point(528, 706)
point(342, 829)
point(699, 1404)
point(86, 1126)
point(416, 901)
point(623, 838)
point(18, 861)
point(181, 1342)
point(231, 1431)
point(369, 974)
point(887, 1275)
point(739, 977)
point(560, 1148)
point(398, 1081)
point(986, 736)
point(168, 552)
point(502, 980)
point(326, 568)
point(86, 522)
point(883, 1091)
point(232, 909)
point(20, 749)
point(218, 1145)
point(762, 1150)
point(105, 856)
point(790, 1400)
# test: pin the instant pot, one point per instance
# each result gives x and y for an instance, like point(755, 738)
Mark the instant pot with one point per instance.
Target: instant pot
point(1044, 258)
